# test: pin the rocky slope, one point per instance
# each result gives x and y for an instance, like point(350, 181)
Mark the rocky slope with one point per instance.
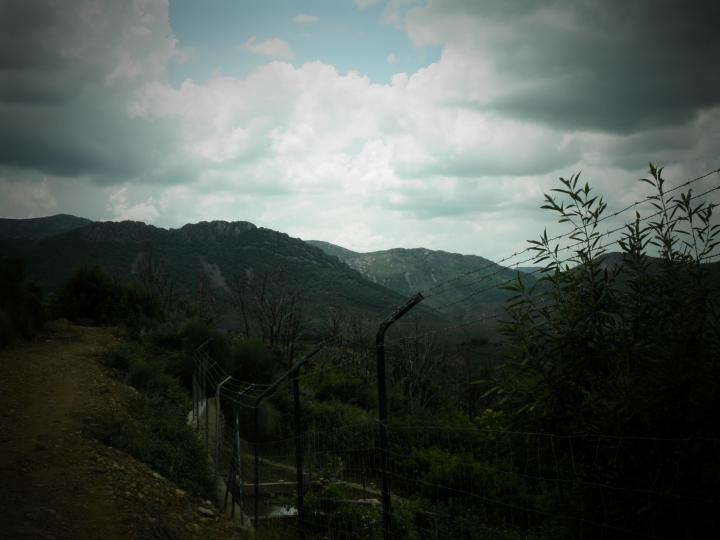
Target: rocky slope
point(208, 257)
point(55, 482)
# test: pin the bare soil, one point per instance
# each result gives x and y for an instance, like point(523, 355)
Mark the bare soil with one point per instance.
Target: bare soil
point(55, 483)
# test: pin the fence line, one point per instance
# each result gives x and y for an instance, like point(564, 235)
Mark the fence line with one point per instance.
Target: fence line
point(333, 475)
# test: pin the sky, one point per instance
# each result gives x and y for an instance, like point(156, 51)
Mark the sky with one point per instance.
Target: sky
point(371, 124)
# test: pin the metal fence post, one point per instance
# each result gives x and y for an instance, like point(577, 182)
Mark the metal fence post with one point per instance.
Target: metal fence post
point(238, 451)
point(256, 491)
point(196, 400)
point(207, 407)
point(218, 427)
point(299, 455)
point(268, 391)
point(382, 405)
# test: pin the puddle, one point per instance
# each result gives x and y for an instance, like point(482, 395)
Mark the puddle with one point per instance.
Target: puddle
point(282, 510)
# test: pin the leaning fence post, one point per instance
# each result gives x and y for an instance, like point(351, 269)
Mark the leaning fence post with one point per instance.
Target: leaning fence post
point(382, 404)
point(218, 427)
point(238, 451)
point(207, 405)
point(268, 391)
point(256, 490)
point(299, 455)
point(195, 399)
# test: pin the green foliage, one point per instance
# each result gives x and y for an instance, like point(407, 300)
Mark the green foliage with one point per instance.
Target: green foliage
point(151, 425)
point(21, 313)
point(351, 386)
point(627, 350)
point(90, 295)
point(153, 430)
point(150, 371)
point(447, 477)
point(253, 361)
point(176, 338)
point(329, 511)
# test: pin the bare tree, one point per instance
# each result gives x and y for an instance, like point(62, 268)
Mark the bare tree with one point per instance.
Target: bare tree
point(269, 306)
point(416, 365)
point(154, 279)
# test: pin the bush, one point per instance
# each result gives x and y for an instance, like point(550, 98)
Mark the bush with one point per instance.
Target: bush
point(630, 352)
point(21, 313)
point(350, 386)
point(92, 296)
point(252, 361)
point(341, 520)
point(154, 431)
point(7, 329)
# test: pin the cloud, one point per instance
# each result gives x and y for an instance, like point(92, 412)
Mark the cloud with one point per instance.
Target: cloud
point(305, 19)
point(453, 156)
point(391, 58)
point(25, 198)
point(609, 66)
point(363, 4)
point(67, 72)
point(121, 210)
point(272, 48)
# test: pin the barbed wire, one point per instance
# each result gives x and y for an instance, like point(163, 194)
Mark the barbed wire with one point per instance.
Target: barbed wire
point(432, 290)
point(357, 443)
point(495, 286)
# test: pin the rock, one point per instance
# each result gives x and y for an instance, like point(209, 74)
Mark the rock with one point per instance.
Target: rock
point(205, 512)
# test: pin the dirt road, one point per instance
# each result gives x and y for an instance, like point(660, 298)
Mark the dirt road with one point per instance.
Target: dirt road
point(57, 483)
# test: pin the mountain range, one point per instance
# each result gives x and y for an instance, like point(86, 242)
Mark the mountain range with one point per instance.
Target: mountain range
point(218, 255)
point(216, 258)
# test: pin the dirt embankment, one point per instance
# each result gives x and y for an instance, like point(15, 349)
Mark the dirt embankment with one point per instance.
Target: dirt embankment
point(57, 483)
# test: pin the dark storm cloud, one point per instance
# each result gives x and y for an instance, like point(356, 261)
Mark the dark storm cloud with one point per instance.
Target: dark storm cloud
point(84, 137)
point(610, 65)
point(68, 71)
point(34, 67)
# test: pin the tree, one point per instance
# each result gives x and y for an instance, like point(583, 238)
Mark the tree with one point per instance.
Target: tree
point(625, 347)
point(267, 303)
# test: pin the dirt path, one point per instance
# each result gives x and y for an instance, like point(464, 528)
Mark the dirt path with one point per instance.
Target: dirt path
point(56, 483)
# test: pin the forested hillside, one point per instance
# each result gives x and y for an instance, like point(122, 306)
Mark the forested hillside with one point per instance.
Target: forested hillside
point(224, 265)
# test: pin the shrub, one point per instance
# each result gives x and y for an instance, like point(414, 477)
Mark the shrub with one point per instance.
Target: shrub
point(632, 352)
point(350, 386)
point(90, 295)
point(252, 361)
point(20, 303)
point(154, 431)
point(7, 329)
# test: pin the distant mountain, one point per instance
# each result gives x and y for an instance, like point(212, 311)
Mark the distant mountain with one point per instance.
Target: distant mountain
point(213, 254)
point(36, 228)
point(529, 269)
point(473, 289)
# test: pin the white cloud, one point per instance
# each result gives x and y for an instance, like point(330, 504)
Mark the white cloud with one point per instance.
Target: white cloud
point(25, 198)
point(121, 210)
point(301, 18)
point(421, 160)
point(362, 4)
point(391, 58)
point(275, 48)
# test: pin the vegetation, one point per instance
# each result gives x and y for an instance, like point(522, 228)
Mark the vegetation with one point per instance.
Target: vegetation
point(627, 354)
point(597, 417)
point(21, 312)
point(91, 296)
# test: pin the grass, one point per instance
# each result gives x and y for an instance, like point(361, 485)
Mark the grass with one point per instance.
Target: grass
point(151, 424)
